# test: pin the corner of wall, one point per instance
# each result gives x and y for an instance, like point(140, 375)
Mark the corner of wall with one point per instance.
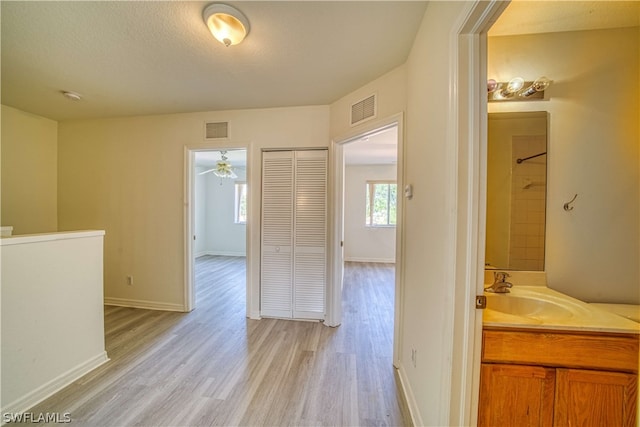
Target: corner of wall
point(29, 184)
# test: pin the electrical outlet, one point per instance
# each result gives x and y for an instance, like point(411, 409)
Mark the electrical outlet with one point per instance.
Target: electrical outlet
point(130, 280)
point(414, 357)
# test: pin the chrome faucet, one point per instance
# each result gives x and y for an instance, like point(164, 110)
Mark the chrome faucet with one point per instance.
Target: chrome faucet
point(500, 285)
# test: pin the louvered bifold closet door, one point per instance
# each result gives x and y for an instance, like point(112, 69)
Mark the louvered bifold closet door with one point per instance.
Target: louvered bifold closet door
point(310, 234)
point(276, 284)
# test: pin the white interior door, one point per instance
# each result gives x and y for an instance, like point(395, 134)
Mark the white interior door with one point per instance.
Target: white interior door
point(276, 281)
point(294, 236)
point(310, 234)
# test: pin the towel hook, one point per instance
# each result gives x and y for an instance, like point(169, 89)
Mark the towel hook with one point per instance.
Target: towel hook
point(567, 206)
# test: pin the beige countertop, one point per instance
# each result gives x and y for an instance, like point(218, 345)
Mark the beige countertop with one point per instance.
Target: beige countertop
point(539, 307)
point(630, 311)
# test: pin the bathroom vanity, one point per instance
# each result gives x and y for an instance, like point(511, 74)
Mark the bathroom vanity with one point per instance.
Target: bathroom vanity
point(549, 359)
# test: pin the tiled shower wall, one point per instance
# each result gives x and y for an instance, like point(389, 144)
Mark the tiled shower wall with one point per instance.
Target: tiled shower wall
point(528, 195)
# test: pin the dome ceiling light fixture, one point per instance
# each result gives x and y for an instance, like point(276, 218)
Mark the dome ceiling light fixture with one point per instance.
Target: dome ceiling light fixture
point(227, 24)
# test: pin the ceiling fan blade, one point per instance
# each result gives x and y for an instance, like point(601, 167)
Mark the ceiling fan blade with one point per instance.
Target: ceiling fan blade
point(207, 171)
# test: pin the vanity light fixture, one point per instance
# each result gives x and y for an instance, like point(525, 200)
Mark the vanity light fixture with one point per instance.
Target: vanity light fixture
point(227, 24)
point(513, 89)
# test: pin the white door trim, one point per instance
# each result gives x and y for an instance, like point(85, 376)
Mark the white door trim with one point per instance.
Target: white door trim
point(189, 219)
point(336, 181)
point(467, 130)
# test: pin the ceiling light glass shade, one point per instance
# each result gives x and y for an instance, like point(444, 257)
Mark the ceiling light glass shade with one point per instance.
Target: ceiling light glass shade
point(538, 86)
point(227, 24)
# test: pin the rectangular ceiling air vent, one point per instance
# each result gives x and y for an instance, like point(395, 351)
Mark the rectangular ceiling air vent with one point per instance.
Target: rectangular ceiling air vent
point(216, 130)
point(363, 110)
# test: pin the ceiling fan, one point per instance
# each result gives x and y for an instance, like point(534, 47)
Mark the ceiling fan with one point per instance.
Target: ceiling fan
point(223, 168)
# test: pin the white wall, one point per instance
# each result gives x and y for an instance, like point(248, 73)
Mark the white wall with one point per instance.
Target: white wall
point(52, 315)
point(429, 223)
point(29, 172)
point(362, 243)
point(221, 235)
point(438, 240)
point(428, 263)
point(126, 175)
point(200, 211)
point(593, 151)
point(391, 92)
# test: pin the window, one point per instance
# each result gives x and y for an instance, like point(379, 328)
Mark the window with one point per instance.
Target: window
point(381, 203)
point(241, 203)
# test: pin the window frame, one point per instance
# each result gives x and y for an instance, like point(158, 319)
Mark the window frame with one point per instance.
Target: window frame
point(240, 190)
point(370, 189)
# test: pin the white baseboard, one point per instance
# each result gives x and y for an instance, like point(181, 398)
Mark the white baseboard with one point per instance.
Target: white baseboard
point(380, 260)
point(416, 419)
point(148, 305)
point(46, 390)
point(221, 253)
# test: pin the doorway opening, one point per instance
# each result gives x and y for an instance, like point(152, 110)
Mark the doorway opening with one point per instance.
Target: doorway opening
point(370, 197)
point(368, 215)
point(217, 222)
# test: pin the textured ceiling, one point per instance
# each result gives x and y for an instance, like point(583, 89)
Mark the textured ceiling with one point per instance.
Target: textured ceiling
point(533, 17)
point(520, 17)
point(146, 57)
point(155, 57)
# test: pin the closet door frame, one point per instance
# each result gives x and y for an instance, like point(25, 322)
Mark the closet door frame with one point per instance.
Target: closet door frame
point(301, 249)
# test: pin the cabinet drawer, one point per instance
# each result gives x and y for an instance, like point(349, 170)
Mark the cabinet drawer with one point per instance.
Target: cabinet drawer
point(606, 352)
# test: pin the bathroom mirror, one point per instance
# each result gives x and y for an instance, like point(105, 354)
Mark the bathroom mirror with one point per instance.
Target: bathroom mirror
point(516, 190)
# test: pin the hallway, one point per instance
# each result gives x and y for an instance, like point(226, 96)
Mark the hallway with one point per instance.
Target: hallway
point(213, 366)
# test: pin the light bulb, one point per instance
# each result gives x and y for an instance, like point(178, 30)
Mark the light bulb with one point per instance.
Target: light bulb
point(491, 85)
point(538, 86)
point(514, 85)
point(226, 29)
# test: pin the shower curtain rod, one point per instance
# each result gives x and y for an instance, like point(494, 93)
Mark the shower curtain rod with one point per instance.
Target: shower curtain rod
point(530, 157)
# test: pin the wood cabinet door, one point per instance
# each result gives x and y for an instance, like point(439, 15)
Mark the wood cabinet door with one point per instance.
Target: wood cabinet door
point(595, 398)
point(516, 395)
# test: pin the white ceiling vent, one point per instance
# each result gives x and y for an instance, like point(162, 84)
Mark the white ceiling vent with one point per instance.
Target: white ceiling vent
point(363, 110)
point(216, 130)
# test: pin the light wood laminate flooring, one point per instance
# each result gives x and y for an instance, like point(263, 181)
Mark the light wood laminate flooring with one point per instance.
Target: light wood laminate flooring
point(214, 366)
